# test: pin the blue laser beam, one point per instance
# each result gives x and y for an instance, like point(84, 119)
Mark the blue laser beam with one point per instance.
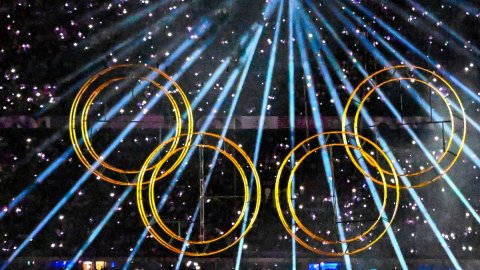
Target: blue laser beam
point(319, 127)
point(266, 93)
point(339, 107)
point(291, 111)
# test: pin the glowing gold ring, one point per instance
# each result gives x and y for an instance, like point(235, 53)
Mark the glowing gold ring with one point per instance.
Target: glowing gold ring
point(452, 119)
point(91, 150)
point(84, 129)
point(292, 209)
point(450, 140)
point(289, 190)
point(84, 120)
point(165, 228)
point(143, 213)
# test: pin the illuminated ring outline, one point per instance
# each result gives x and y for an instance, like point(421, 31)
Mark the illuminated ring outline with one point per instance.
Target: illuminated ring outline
point(292, 209)
point(151, 196)
point(452, 119)
point(86, 137)
point(287, 226)
point(166, 229)
point(91, 150)
point(84, 129)
point(456, 156)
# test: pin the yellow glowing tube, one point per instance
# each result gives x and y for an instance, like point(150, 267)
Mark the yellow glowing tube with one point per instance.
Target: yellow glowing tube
point(289, 190)
point(292, 209)
point(84, 128)
point(452, 120)
point(151, 196)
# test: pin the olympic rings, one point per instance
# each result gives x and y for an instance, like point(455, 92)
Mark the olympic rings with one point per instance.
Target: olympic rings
point(181, 143)
point(292, 209)
point(84, 119)
point(154, 209)
point(444, 99)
